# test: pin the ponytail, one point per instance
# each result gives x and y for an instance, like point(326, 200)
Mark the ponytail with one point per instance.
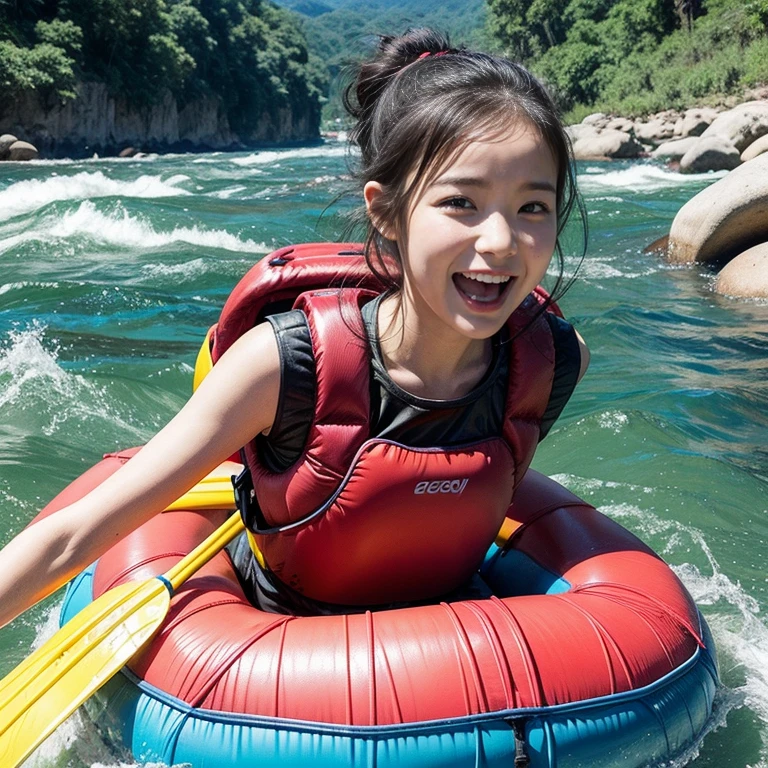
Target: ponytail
point(394, 53)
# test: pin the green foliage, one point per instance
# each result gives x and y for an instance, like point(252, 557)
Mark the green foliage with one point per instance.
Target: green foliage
point(249, 53)
point(571, 70)
point(755, 65)
point(261, 59)
point(310, 8)
point(61, 34)
point(508, 24)
point(130, 44)
point(193, 33)
point(588, 10)
point(638, 56)
point(36, 54)
point(757, 16)
point(44, 68)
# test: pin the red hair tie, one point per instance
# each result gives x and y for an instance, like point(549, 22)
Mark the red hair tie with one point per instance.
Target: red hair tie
point(429, 53)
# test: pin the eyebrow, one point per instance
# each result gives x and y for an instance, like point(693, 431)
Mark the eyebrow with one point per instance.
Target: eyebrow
point(474, 181)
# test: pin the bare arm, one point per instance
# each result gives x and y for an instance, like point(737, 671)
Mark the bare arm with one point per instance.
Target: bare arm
point(235, 402)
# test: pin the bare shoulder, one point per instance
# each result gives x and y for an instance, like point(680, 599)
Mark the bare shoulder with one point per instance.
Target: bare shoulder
point(246, 379)
point(236, 401)
point(585, 356)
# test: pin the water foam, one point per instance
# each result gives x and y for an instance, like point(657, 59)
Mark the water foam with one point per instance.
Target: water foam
point(741, 634)
point(31, 195)
point(225, 194)
point(640, 178)
point(22, 284)
point(186, 270)
point(276, 156)
point(601, 268)
point(33, 381)
point(121, 229)
point(613, 420)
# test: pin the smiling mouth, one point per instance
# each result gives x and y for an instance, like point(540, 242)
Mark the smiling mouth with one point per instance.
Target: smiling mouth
point(482, 288)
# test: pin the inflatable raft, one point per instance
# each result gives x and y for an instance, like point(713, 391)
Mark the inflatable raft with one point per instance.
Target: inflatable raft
point(591, 653)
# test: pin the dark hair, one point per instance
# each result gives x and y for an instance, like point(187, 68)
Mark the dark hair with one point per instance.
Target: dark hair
point(415, 112)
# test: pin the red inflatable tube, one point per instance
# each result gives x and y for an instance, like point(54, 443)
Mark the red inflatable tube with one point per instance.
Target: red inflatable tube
point(624, 622)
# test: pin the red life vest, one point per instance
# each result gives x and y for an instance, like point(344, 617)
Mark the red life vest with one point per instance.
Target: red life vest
point(359, 520)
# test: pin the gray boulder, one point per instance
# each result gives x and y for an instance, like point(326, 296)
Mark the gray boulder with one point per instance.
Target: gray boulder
point(746, 275)
point(621, 124)
point(655, 131)
point(5, 144)
point(581, 131)
point(22, 150)
point(674, 150)
point(710, 153)
point(755, 148)
point(599, 119)
point(696, 121)
point(611, 144)
point(725, 219)
point(742, 125)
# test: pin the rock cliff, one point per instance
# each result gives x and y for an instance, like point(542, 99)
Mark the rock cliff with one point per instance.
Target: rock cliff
point(98, 122)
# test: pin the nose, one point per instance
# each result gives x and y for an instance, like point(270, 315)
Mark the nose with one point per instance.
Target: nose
point(497, 236)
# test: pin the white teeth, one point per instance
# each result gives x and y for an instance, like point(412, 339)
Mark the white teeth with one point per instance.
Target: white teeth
point(484, 278)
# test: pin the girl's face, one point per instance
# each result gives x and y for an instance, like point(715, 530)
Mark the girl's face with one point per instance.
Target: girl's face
point(480, 235)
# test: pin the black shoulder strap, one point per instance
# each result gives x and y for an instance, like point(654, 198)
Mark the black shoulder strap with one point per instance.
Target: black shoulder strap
point(567, 366)
point(296, 404)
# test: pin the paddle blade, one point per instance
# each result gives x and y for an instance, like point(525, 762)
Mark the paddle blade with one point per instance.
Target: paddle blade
point(52, 683)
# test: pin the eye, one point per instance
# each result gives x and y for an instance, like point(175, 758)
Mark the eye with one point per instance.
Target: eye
point(457, 203)
point(535, 207)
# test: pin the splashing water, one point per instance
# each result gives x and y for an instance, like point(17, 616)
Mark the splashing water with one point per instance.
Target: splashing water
point(640, 177)
point(114, 270)
point(120, 229)
point(27, 196)
point(33, 383)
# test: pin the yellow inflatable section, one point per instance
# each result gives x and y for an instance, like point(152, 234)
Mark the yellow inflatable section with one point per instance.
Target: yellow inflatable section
point(204, 361)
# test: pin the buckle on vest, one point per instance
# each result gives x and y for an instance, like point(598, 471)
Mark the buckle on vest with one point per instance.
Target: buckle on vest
point(245, 496)
point(247, 503)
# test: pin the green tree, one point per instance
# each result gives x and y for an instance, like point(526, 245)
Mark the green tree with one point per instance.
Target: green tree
point(130, 44)
point(61, 34)
point(193, 32)
point(508, 25)
point(43, 68)
point(635, 55)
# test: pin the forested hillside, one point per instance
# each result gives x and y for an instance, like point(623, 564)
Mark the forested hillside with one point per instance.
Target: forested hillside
point(337, 30)
point(257, 58)
point(636, 56)
point(250, 54)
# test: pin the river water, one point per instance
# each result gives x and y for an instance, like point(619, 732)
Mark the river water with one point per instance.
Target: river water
point(111, 271)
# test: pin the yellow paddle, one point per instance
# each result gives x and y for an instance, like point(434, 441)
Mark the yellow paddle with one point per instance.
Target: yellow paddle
point(37, 696)
point(44, 690)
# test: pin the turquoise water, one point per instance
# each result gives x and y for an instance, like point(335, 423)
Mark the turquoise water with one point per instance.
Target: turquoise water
point(111, 271)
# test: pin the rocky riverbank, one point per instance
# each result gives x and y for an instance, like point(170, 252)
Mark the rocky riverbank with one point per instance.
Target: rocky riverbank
point(98, 122)
point(691, 141)
point(13, 149)
point(726, 225)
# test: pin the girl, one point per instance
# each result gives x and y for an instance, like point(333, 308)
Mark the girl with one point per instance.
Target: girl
point(467, 183)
